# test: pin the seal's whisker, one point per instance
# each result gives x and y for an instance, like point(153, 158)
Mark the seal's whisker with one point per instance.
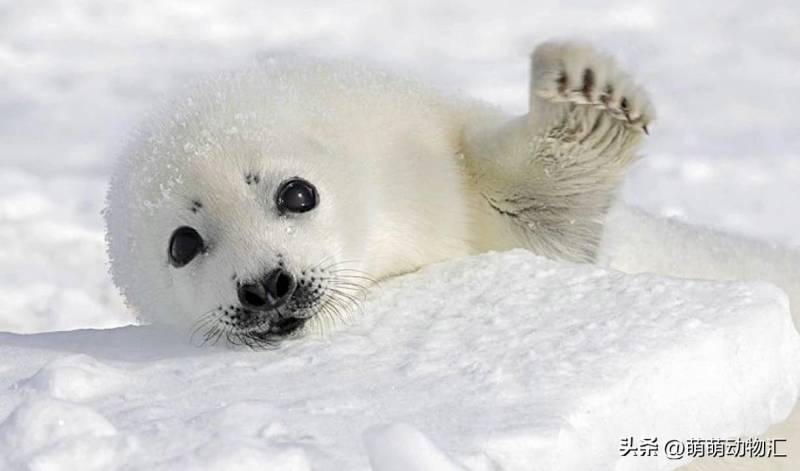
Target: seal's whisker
point(325, 318)
point(206, 316)
point(355, 287)
point(209, 334)
point(335, 297)
point(341, 307)
point(217, 335)
point(353, 272)
point(202, 322)
point(345, 295)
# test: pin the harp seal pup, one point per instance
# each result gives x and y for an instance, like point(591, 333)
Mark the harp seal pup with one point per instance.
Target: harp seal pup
point(265, 202)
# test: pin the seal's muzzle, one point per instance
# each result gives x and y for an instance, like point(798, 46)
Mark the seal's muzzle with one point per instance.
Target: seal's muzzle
point(270, 292)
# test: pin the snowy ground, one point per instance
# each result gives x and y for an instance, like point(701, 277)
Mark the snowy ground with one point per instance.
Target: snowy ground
point(547, 371)
point(76, 76)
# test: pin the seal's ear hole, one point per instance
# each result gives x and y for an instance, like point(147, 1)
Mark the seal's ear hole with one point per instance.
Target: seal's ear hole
point(297, 196)
point(184, 245)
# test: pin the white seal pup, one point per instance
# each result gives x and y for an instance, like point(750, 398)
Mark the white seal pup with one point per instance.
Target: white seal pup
point(266, 201)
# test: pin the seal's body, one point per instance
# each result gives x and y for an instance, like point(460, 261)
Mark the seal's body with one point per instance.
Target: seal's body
point(276, 195)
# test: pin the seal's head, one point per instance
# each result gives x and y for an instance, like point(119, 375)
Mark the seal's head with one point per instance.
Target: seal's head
point(264, 202)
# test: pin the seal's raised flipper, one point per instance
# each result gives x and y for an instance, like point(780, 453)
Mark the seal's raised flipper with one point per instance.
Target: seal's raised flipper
point(565, 76)
point(551, 174)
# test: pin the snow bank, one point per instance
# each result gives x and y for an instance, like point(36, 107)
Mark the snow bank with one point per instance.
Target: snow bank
point(501, 360)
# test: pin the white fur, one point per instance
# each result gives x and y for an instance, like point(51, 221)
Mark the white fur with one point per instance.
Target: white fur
point(552, 174)
point(407, 176)
point(380, 150)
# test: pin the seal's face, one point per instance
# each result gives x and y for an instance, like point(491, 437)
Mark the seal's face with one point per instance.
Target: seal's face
point(275, 295)
point(253, 244)
point(238, 230)
point(266, 202)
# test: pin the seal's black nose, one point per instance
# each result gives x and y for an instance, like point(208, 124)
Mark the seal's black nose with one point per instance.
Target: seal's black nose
point(268, 293)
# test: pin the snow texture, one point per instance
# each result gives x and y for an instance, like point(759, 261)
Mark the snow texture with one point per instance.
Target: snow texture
point(75, 77)
point(501, 360)
point(401, 447)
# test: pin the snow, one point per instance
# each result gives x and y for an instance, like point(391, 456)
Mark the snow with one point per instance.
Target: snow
point(77, 76)
point(401, 447)
point(52, 254)
point(501, 360)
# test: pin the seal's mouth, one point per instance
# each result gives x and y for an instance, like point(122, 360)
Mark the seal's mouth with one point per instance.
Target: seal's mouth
point(286, 326)
point(280, 328)
point(271, 336)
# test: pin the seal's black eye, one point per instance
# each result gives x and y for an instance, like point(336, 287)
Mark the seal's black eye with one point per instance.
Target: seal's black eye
point(296, 195)
point(184, 245)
